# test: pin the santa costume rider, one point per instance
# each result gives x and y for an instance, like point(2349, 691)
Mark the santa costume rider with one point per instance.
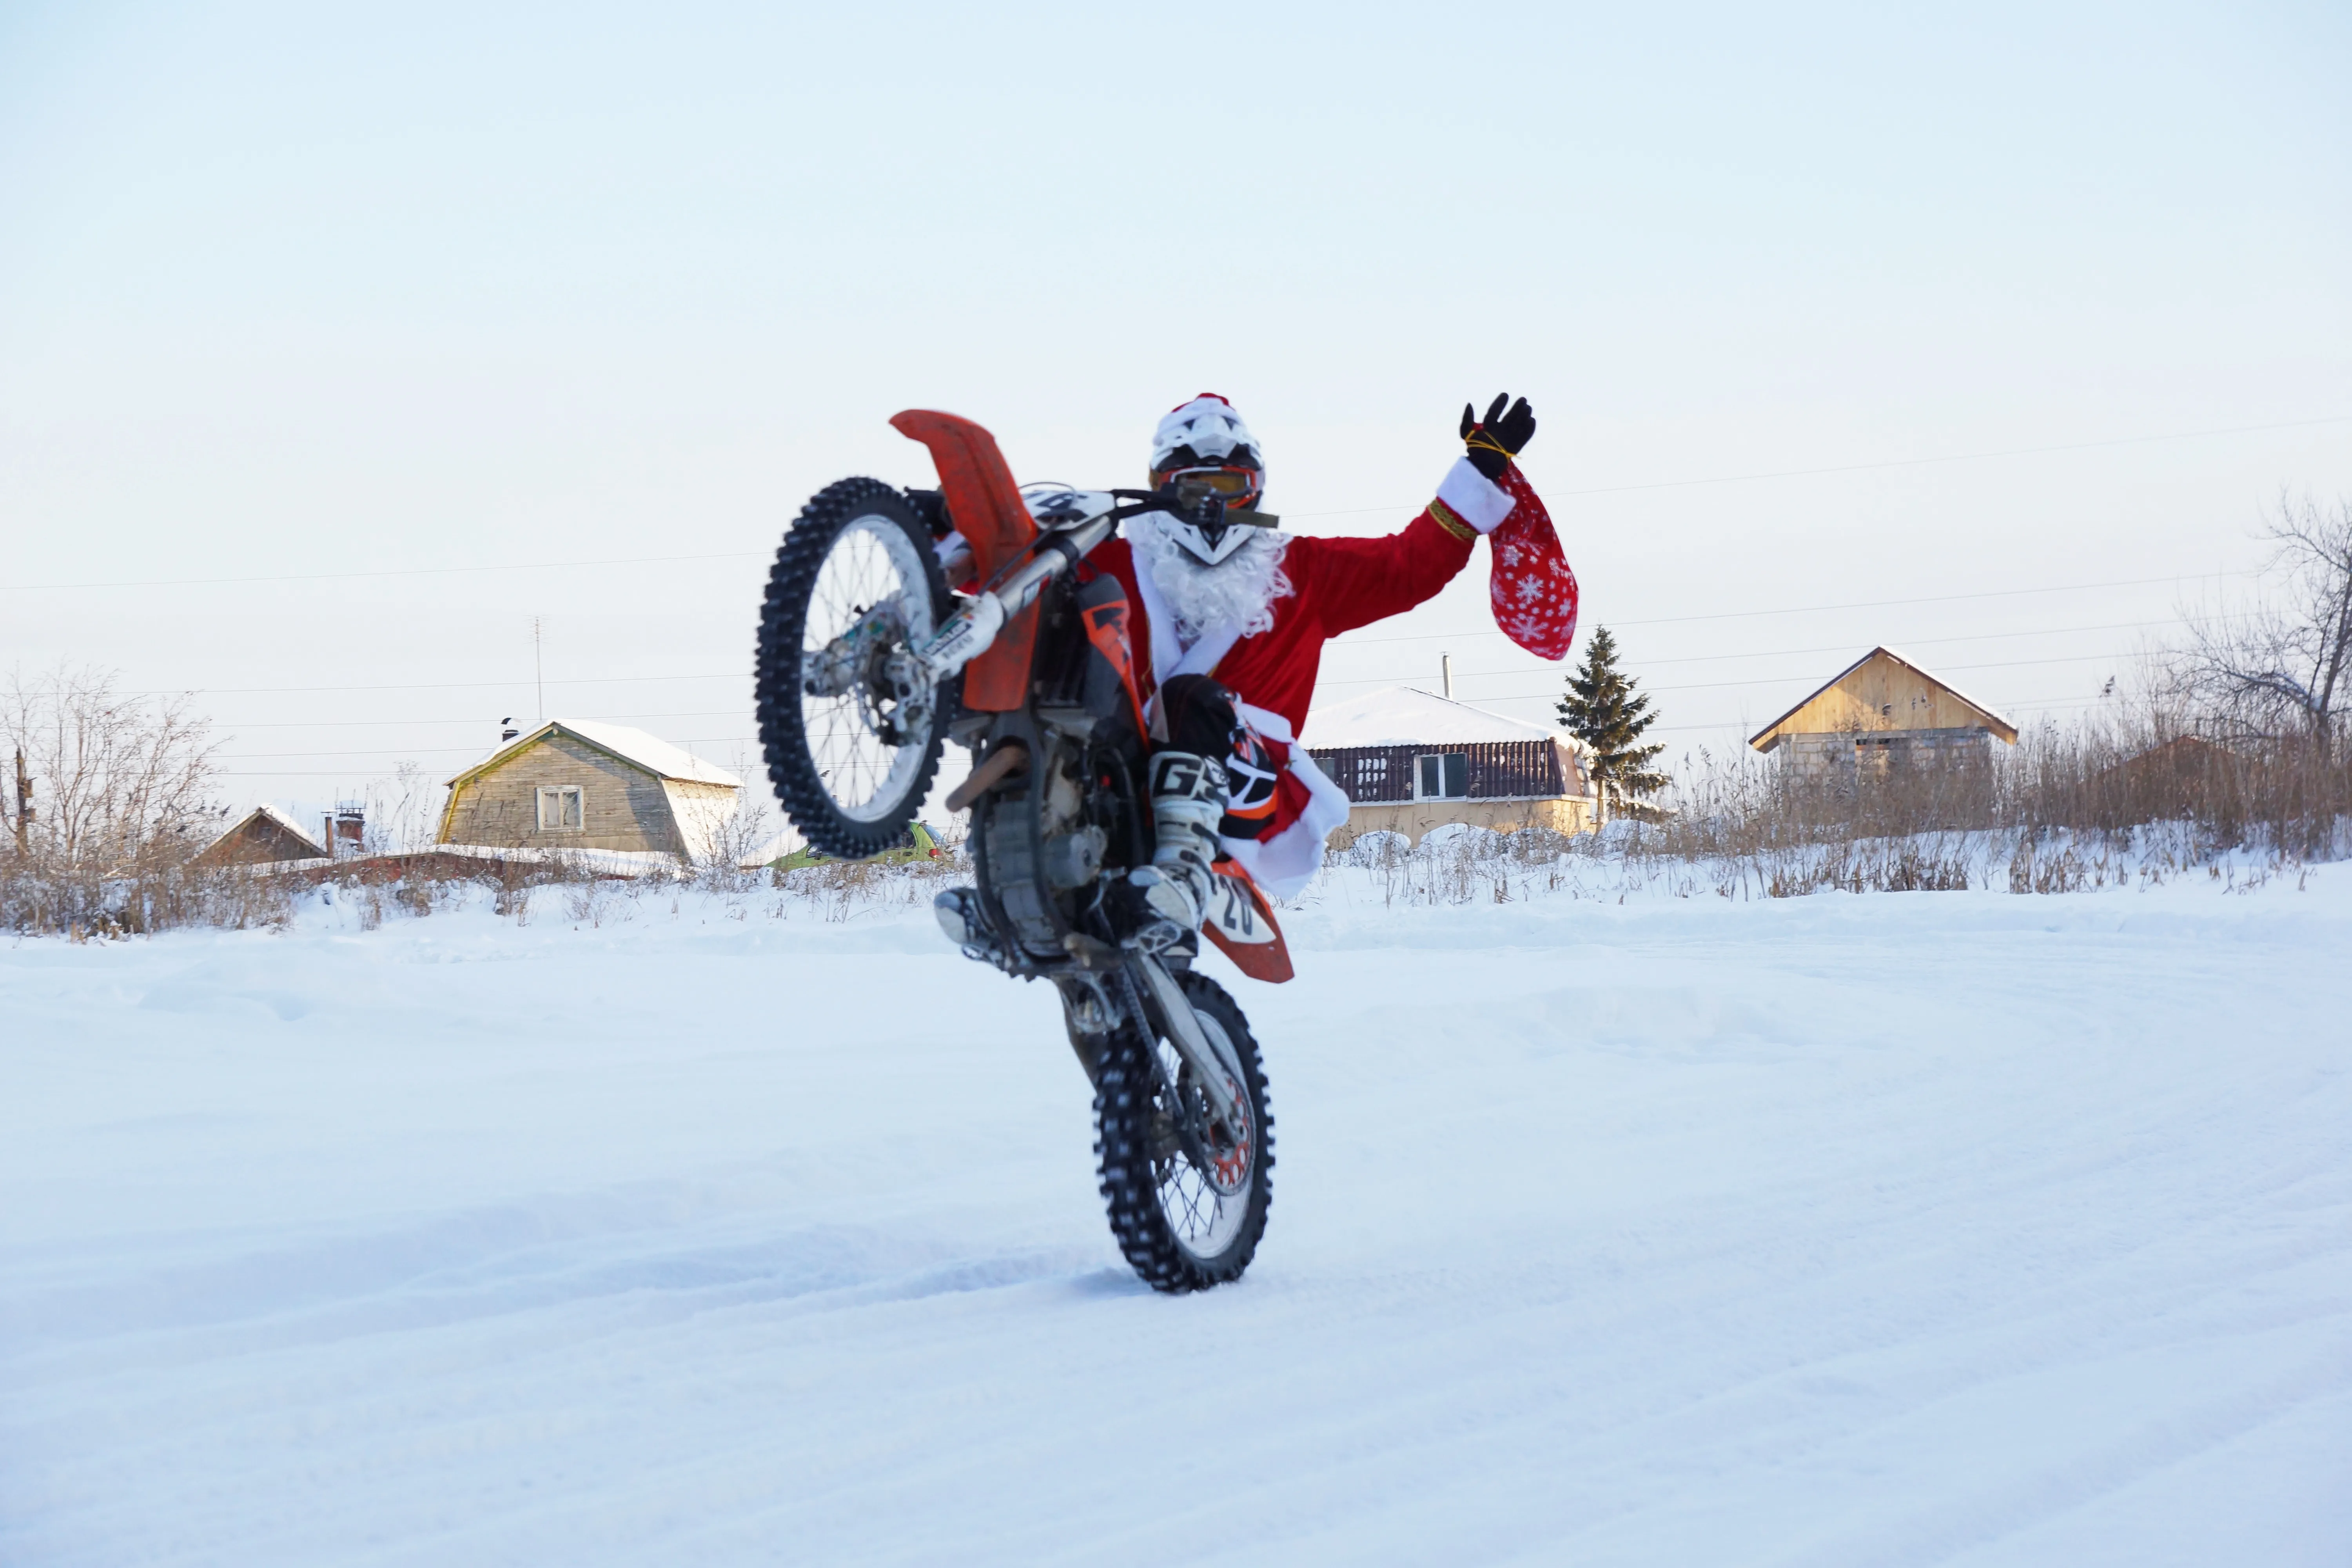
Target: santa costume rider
point(1229, 619)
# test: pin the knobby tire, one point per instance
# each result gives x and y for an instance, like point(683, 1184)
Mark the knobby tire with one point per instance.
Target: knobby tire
point(793, 767)
point(1124, 1101)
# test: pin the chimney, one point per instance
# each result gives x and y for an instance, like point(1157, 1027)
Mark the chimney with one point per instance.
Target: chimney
point(1445, 666)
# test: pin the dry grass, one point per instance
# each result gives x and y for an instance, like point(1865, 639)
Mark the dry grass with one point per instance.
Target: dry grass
point(2103, 803)
point(2102, 785)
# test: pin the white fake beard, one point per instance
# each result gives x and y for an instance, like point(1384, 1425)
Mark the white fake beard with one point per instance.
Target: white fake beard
point(1241, 588)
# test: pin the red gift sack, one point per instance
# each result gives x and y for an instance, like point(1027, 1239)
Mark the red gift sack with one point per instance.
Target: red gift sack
point(1533, 591)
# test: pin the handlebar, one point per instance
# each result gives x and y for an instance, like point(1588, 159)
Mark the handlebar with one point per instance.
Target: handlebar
point(967, 634)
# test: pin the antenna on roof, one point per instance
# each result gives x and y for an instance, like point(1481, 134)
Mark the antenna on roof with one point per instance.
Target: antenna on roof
point(538, 669)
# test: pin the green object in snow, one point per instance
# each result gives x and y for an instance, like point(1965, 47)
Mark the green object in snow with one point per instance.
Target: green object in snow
point(917, 843)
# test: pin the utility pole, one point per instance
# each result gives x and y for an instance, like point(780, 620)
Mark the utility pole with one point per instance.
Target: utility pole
point(23, 806)
point(538, 669)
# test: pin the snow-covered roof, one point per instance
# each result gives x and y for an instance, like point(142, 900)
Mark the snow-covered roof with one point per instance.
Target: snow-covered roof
point(1400, 716)
point(274, 815)
point(651, 752)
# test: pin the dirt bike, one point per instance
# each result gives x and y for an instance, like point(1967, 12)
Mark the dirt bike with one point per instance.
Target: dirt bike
point(868, 664)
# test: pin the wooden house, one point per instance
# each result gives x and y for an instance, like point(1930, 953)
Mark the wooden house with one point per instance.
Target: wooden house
point(1411, 762)
point(1880, 715)
point(265, 836)
point(581, 784)
point(2184, 776)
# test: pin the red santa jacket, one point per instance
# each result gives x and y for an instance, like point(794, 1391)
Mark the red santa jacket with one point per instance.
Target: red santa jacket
point(1337, 584)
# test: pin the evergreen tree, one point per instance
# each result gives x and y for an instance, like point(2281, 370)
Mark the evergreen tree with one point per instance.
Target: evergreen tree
point(1602, 710)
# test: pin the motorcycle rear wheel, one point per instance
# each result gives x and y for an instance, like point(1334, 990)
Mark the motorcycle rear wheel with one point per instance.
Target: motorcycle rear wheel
point(851, 738)
point(1188, 1212)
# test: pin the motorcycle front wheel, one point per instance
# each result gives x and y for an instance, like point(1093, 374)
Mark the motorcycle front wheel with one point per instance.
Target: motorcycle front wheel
point(1186, 1169)
point(851, 728)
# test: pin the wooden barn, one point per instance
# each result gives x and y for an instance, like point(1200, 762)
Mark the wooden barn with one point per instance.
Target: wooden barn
point(1879, 716)
point(1411, 762)
point(2179, 777)
point(265, 836)
point(581, 784)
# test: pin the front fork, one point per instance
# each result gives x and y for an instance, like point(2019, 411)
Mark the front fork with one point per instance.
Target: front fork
point(1093, 1001)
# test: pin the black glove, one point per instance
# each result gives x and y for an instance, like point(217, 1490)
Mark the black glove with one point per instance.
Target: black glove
point(1497, 439)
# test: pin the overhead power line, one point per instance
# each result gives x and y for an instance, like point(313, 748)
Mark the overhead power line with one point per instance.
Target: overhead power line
point(1491, 697)
point(2182, 577)
point(1791, 653)
point(387, 572)
point(1910, 462)
point(1724, 685)
point(1840, 647)
point(1401, 679)
point(1740, 726)
point(433, 685)
point(1350, 512)
point(473, 719)
point(450, 751)
point(1347, 641)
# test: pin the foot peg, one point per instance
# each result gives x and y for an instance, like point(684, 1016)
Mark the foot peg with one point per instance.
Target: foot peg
point(958, 912)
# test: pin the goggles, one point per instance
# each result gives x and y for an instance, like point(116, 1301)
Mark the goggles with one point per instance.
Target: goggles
point(1235, 486)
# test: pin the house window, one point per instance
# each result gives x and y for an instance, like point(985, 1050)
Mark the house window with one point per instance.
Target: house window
point(1441, 775)
point(559, 808)
point(1372, 775)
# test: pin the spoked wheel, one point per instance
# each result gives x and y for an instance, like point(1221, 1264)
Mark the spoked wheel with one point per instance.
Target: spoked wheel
point(851, 726)
point(1186, 1167)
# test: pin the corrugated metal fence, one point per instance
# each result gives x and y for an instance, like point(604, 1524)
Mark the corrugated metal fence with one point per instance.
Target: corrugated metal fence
point(1499, 769)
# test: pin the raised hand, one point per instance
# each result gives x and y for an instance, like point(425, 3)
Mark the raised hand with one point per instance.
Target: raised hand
point(1495, 440)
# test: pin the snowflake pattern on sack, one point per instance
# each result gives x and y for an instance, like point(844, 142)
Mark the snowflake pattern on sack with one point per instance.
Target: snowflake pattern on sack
point(1533, 591)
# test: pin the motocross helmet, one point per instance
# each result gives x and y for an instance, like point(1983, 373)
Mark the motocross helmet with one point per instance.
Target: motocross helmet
point(1203, 448)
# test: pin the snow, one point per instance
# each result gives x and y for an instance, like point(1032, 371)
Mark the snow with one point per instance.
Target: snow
point(1904, 1228)
point(649, 751)
point(1400, 716)
point(280, 817)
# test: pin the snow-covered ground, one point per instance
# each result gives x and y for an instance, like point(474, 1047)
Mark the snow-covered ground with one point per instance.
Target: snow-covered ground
point(1917, 1229)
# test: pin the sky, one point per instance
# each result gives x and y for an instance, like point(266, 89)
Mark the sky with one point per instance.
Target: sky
point(377, 375)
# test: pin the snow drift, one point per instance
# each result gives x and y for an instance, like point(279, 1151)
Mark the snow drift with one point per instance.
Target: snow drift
point(1908, 1228)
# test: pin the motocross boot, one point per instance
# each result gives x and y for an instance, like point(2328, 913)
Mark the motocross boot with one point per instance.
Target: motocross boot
point(1164, 900)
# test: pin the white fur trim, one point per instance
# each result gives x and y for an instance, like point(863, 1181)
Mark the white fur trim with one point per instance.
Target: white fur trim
point(1169, 657)
point(1283, 864)
point(1165, 650)
point(1473, 498)
point(1266, 723)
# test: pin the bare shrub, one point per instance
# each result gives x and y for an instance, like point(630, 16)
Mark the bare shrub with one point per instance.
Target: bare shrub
point(2132, 793)
point(1473, 864)
point(2283, 668)
point(122, 803)
point(723, 864)
point(840, 890)
point(596, 901)
point(2065, 808)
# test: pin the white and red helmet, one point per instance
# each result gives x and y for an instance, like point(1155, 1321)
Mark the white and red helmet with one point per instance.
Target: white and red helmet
point(1202, 446)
